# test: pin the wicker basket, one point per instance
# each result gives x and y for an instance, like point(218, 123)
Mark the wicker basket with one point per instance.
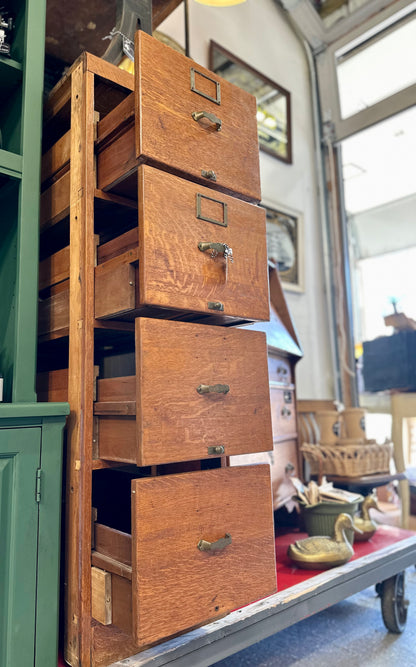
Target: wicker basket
point(348, 461)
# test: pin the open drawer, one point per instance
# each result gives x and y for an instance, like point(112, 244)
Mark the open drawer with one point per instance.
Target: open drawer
point(194, 251)
point(199, 392)
point(202, 544)
point(182, 118)
point(189, 253)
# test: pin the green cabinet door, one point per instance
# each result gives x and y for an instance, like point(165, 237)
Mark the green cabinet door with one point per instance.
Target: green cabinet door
point(19, 462)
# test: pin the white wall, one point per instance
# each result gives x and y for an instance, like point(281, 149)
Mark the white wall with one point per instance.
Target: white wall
point(385, 229)
point(258, 33)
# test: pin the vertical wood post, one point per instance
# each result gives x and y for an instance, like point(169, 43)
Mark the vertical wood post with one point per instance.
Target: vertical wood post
point(81, 371)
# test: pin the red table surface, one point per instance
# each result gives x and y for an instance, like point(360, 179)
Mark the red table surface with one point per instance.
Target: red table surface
point(289, 575)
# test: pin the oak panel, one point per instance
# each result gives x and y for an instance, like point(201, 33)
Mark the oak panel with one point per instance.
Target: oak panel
point(169, 88)
point(174, 422)
point(175, 585)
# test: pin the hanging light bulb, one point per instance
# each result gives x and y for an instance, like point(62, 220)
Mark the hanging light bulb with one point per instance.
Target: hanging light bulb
point(220, 3)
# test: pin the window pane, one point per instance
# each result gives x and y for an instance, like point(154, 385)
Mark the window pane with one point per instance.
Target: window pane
point(377, 71)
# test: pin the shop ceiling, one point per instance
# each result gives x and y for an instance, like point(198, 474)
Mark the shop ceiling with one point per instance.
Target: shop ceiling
point(86, 25)
point(347, 16)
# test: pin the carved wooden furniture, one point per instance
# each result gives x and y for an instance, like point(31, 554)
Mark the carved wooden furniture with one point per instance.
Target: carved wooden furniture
point(157, 404)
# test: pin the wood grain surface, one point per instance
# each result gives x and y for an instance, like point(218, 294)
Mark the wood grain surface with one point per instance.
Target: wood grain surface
point(115, 286)
point(175, 585)
point(174, 421)
point(175, 273)
point(53, 314)
point(113, 543)
point(101, 595)
point(167, 133)
point(54, 269)
point(80, 373)
point(56, 159)
point(52, 385)
point(117, 246)
point(167, 136)
point(54, 202)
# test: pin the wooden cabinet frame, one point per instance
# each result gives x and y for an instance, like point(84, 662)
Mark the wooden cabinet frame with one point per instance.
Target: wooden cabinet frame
point(86, 89)
point(89, 92)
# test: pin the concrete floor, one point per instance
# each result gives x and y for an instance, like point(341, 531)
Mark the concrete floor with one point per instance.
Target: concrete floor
point(349, 634)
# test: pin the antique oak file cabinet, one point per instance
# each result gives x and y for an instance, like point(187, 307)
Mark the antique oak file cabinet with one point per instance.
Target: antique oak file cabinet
point(152, 248)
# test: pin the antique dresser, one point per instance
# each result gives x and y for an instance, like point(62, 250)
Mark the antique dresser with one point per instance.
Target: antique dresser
point(284, 352)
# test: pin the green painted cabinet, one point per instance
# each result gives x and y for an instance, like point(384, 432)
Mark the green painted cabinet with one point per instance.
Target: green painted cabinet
point(21, 88)
point(31, 434)
point(19, 462)
point(30, 508)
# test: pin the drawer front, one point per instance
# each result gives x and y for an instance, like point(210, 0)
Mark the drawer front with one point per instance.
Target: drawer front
point(178, 585)
point(178, 269)
point(169, 89)
point(283, 462)
point(280, 370)
point(197, 388)
point(175, 272)
point(283, 412)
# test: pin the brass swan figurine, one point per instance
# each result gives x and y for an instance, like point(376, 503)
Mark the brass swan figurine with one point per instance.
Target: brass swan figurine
point(363, 521)
point(321, 553)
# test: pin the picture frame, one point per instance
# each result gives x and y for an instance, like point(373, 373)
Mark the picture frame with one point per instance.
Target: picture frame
point(273, 101)
point(284, 232)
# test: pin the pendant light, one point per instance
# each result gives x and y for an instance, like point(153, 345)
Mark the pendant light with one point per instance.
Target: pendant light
point(220, 3)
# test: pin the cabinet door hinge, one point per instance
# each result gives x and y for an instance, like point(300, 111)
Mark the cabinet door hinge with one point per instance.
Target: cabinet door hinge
point(38, 482)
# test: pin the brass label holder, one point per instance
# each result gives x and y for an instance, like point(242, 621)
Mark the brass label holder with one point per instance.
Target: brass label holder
point(217, 98)
point(201, 216)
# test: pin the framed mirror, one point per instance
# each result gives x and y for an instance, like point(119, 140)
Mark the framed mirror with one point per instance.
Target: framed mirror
point(273, 101)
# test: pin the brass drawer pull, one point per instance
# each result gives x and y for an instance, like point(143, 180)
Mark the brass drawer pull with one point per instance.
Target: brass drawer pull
point(213, 389)
point(210, 174)
point(220, 544)
point(286, 412)
point(215, 305)
point(217, 249)
point(217, 450)
point(199, 115)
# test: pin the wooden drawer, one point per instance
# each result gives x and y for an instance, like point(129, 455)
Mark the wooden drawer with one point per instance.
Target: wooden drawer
point(280, 370)
point(283, 462)
point(283, 413)
point(175, 584)
point(160, 415)
point(163, 265)
point(156, 125)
